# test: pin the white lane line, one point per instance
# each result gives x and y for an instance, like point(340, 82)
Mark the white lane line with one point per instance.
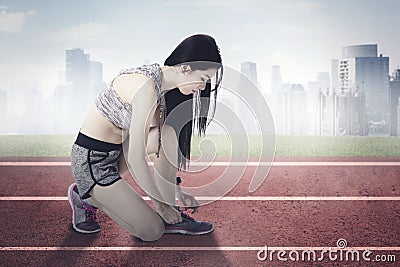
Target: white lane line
point(33, 164)
point(333, 163)
point(248, 198)
point(192, 248)
point(224, 163)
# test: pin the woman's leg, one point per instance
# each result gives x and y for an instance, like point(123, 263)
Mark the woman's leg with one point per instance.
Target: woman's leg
point(165, 166)
point(165, 173)
point(126, 207)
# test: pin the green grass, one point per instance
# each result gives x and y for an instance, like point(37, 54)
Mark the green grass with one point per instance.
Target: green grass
point(337, 146)
point(36, 145)
point(60, 146)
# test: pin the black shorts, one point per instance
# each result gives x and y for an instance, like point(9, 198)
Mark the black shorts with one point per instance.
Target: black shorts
point(94, 162)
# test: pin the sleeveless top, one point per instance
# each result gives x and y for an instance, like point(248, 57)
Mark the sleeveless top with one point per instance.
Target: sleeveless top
point(118, 112)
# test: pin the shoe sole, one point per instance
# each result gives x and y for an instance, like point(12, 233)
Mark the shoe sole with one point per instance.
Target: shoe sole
point(70, 197)
point(186, 232)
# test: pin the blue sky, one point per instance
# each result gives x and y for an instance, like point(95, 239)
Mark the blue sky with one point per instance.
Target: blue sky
point(300, 35)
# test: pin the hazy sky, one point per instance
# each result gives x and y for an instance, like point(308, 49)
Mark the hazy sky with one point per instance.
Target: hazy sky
point(300, 35)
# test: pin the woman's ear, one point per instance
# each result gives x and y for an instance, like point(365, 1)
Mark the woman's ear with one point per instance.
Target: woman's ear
point(186, 69)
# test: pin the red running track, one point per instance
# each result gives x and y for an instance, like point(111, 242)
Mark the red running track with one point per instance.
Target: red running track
point(39, 233)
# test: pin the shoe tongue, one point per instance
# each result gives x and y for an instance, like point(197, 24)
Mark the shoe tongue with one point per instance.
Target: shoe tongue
point(186, 216)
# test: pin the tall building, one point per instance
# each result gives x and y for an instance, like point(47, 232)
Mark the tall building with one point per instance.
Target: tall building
point(350, 114)
point(95, 78)
point(314, 91)
point(398, 118)
point(275, 94)
point(276, 78)
point(77, 67)
point(334, 88)
point(353, 51)
point(95, 72)
point(80, 71)
point(35, 122)
point(361, 70)
point(290, 114)
point(250, 96)
point(83, 81)
point(3, 111)
point(250, 70)
point(324, 81)
point(341, 114)
point(394, 86)
point(326, 114)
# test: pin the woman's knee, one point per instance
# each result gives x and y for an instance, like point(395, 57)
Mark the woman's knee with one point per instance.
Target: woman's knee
point(152, 232)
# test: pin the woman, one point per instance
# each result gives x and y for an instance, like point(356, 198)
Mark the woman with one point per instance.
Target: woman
point(134, 99)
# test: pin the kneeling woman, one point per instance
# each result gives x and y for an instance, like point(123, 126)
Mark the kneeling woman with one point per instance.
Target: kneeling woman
point(134, 99)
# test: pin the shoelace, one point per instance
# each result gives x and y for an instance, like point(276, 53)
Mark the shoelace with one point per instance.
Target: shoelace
point(91, 213)
point(186, 216)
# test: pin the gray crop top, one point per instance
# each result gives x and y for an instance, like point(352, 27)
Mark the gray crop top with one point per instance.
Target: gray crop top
point(118, 112)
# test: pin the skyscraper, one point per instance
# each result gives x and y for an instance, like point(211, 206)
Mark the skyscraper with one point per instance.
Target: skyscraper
point(334, 88)
point(314, 91)
point(324, 80)
point(95, 78)
point(398, 118)
point(253, 101)
point(250, 70)
point(77, 67)
point(275, 96)
point(394, 102)
point(326, 114)
point(3, 111)
point(350, 114)
point(276, 78)
point(83, 81)
point(361, 70)
point(290, 115)
point(80, 71)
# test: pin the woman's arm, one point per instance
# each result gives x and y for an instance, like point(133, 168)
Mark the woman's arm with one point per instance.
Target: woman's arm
point(143, 106)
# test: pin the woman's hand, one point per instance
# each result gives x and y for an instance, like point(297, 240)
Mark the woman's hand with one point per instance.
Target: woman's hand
point(167, 212)
point(188, 201)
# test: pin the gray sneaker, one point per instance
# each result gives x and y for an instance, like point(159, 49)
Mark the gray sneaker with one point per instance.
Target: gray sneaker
point(188, 226)
point(84, 216)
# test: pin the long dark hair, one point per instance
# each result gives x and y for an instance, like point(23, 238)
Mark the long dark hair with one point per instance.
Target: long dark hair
point(194, 49)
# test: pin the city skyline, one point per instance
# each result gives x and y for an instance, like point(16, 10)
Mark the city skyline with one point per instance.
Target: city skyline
point(348, 109)
point(300, 36)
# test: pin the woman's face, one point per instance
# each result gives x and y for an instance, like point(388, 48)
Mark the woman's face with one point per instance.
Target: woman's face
point(193, 81)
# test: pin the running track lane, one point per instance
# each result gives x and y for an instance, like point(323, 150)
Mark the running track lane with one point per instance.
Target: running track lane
point(286, 216)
